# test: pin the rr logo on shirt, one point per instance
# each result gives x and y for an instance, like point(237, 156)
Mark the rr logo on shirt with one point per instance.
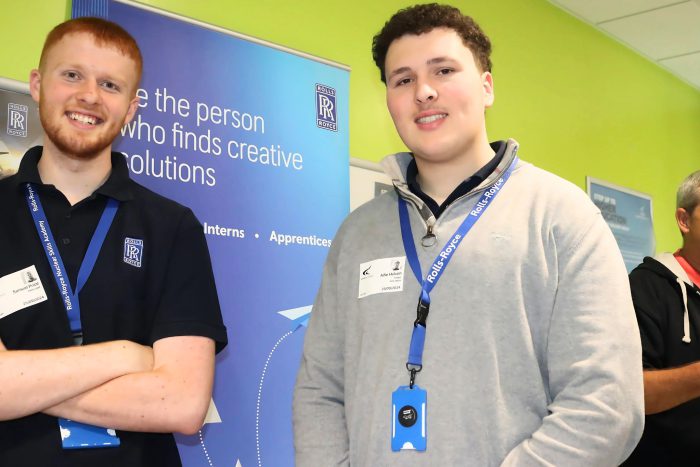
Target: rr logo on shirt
point(133, 251)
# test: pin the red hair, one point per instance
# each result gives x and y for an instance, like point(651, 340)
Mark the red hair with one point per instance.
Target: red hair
point(105, 33)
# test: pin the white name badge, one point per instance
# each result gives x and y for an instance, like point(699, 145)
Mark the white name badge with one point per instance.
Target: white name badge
point(20, 290)
point(381, 276)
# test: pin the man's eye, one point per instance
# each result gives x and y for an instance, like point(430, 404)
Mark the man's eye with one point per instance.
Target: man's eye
point(445, 71)
point(71, 75)
point(402, 81)
point(110, 86)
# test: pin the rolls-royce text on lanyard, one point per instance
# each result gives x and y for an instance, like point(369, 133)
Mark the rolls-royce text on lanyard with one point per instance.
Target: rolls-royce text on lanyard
point(74, 435)
point(409, 403)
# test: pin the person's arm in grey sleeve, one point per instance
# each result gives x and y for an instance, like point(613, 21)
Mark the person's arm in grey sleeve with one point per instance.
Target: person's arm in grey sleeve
point(320, 431)
point(596, 414)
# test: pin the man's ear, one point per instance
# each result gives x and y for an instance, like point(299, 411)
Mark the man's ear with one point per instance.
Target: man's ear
point(35, 84)
point(683, 220)
point(487, 83)
point(133, 107)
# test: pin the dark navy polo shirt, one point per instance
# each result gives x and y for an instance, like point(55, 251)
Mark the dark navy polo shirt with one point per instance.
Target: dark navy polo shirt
point(499, 147)
point(169, 292)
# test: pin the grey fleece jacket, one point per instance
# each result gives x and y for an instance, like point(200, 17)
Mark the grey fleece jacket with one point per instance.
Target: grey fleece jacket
point(532, 354)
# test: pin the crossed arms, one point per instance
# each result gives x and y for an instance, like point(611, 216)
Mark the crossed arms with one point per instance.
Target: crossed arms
point(116, 384)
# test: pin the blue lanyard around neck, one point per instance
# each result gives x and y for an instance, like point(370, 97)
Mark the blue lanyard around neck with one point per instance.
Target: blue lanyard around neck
point(69, 298)
point(415, 351)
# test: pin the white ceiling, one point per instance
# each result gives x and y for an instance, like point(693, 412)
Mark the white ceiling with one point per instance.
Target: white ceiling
point(666, 32)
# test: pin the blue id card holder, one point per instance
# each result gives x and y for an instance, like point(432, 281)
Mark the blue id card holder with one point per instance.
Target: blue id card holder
point(408, 418)
point(76, 435)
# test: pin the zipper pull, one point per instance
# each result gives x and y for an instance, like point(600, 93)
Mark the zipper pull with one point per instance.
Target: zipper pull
point(429, 239)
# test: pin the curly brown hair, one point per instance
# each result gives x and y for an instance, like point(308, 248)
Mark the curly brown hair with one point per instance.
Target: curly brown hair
point(420, 19)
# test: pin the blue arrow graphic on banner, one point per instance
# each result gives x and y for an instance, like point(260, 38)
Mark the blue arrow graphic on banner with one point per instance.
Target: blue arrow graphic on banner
point(299, 316)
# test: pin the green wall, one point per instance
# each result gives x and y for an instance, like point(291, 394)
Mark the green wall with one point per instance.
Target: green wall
point(577, 101)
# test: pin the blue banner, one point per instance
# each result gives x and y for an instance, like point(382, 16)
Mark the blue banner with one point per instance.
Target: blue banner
point(255, 140)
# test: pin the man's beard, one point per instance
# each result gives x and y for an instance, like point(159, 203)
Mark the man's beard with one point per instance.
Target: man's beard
point(83, 148)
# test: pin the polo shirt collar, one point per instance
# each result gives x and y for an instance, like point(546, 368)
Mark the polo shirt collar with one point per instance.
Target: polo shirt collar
point(28, 171)
point(499, 148)
point(117, 185)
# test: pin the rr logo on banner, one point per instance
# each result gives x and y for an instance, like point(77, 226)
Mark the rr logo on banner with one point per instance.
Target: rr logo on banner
point(326, 112)
point(17, 119)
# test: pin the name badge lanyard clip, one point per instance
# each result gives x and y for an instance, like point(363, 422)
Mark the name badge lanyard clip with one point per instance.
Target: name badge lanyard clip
point(414, 364)
point(69, 298)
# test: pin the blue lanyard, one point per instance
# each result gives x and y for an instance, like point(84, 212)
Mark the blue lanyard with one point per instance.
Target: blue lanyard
point(68, 297)
point(415, 350)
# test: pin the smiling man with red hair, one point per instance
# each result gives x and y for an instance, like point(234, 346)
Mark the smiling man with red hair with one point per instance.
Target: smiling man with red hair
point(109, 318)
